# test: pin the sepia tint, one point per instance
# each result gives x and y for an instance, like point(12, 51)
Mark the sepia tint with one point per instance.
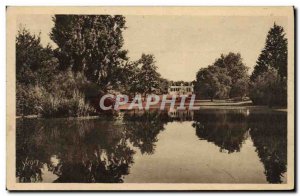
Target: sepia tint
point(150, 98)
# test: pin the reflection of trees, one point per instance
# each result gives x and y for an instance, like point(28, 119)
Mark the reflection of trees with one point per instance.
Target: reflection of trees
point(225, 128)
point(30, 171)
point(88, 150)
point(142, 128)
point(268, 131)
point(269, 135)
point(99, 151)
point(30, 155)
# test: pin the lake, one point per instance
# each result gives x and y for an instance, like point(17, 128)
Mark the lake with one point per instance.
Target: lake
point(240, 145)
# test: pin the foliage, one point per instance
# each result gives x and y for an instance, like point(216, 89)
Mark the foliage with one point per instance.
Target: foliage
point(90, 44)
point(34, 68)
point(274, 54)
point(30, 56)
point(142, 77)
point(148, 76)
point(226, 78)
point(28, 98)
point(269, 78)
point(75, 106)
point(178, 83)
point(163, 86)
point(269, 89)
point(40, 89)
point(237, 71)
point(131, 82)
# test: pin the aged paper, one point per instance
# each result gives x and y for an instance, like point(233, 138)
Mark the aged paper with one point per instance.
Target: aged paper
point(237, 133)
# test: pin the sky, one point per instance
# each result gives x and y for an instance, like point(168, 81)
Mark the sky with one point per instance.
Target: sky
point(182, 44)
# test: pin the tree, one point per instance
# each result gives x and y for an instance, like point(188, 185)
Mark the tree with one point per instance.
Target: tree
point(91, 44)
point(226, 77)
point(130, 76)
point(212, 82)
point(149, 78)
point(133, 75)
point(39, 88)
point(269, 78)
point(274, 54)
point(35, 67)
point(163, 86)
point(31, 56)
point(237, 71)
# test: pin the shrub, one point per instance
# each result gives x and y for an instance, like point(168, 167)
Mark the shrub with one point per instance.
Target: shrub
point(28, 99)
point(55, 106)
point(61, 97)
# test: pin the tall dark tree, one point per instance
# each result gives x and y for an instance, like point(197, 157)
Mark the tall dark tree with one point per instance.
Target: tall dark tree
point(91, 44)
point(31, 56)
point(269, 78)
point(274, 54)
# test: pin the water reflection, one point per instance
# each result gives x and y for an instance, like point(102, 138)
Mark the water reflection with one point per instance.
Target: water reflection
point(101, 150)
point(226, 129)
point(270, 139)
point(142, 129)
point(88, 150)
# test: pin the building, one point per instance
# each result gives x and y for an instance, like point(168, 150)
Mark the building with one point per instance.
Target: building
point(181, 90)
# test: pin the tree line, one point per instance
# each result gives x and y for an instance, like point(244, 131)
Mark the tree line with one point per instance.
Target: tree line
point(228, 76)
point(89, 61)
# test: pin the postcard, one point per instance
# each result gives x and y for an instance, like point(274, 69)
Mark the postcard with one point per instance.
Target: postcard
point(150, 98)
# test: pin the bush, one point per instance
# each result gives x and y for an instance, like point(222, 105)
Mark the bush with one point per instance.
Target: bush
point(60, 97)
point(55, 106)
point(28, 99)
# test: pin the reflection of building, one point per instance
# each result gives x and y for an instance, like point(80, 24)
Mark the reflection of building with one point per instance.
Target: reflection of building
point(181, 90)
point(182, 115)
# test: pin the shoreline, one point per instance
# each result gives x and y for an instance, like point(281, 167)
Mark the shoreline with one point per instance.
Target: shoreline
point(203, 104)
